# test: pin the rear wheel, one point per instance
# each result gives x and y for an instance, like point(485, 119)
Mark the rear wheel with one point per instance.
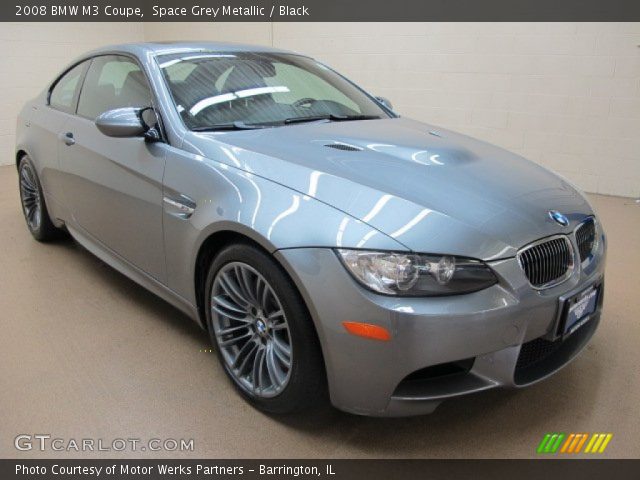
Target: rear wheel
point(262, 331)
point(34, 206)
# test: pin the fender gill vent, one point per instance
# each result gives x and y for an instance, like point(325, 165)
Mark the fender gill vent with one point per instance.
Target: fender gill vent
point(344, 146)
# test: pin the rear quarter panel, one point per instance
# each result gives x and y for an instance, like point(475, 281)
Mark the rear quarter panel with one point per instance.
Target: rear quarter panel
point(37, 130)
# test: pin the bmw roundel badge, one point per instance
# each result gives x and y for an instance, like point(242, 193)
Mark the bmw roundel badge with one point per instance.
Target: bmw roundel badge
point(559, 218)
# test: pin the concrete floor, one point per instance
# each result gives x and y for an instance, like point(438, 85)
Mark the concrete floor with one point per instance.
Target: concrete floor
point(85, 352)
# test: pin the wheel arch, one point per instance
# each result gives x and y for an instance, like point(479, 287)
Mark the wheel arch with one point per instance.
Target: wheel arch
point(218, 240)
point(19, 154)
point(209, 248)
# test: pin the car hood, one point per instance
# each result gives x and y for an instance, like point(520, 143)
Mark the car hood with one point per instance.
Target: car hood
point(431, 189)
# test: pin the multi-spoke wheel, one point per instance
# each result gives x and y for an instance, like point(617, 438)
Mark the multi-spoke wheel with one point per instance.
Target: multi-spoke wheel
point(33, 204)
point(30, 196)
point(262, 330)
point(251, 329)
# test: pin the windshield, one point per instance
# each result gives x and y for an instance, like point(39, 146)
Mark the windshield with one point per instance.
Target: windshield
point(258, 89)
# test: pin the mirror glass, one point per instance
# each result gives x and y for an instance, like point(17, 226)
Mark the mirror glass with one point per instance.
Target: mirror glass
point(149, 117)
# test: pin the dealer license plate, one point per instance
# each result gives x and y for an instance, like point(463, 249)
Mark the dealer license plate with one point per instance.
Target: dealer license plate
point(581, 306)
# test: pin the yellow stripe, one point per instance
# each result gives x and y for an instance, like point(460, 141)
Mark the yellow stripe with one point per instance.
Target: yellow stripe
point(566, 443)
point(583, 439)
point(596, 445)
point(605, 443)
point(590, 444)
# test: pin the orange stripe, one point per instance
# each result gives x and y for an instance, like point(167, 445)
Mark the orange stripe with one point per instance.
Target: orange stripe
point(584, 439)
point(566, 443)
point(574, 443)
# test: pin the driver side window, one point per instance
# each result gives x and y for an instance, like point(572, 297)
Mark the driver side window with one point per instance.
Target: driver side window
point(302, 84)
point(113, 81)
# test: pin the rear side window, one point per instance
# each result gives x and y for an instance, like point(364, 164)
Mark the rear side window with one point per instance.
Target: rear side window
point(113, 81)
point(63, 94)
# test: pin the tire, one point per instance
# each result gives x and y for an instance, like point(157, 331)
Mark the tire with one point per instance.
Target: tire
point(33, 203)
point(242, 272)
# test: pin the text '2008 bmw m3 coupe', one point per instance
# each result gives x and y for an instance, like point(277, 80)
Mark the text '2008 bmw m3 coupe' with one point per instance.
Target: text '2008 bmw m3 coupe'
point(332, 249)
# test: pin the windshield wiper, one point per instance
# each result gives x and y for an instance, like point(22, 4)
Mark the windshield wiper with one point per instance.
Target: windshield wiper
point(237, 125)
point(332, 117)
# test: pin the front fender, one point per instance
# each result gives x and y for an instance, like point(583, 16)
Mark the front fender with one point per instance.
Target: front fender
point(233, 200)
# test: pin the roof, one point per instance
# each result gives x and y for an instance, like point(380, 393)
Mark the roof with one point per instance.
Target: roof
point(161, 48)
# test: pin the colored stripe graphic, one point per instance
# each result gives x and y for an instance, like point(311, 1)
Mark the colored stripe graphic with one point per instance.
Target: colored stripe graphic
point(550, 443)
point(581, 443)
point(556, 445)
point(572, 443)
point(547, 448)
point(543, 443)
point(578, 440)
point(598, 442)
point(591, 442)
point(596, 445)
point(607, 439)
point(567, 443)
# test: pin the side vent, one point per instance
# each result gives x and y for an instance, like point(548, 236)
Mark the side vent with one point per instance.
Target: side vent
point(344, 146)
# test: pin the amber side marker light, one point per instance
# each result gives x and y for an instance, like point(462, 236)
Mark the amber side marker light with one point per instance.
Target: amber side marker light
point(367, 330)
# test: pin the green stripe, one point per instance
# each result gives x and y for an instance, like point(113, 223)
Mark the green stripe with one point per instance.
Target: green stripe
point(557, 444)
point(543, 443)
point(547, 448)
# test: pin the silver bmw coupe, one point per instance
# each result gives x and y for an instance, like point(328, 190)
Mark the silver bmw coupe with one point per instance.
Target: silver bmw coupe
point(332, 249)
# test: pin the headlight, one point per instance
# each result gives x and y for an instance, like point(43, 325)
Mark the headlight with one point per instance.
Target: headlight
point(598, 234)
point(405, 274)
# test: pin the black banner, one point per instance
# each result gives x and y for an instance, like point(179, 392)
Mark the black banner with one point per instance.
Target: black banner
point(320, 10)
point(330, 469)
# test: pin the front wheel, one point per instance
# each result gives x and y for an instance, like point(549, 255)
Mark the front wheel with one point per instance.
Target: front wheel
point(262, 331)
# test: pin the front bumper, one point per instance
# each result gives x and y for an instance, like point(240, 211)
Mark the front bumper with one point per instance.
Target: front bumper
point(481, 333)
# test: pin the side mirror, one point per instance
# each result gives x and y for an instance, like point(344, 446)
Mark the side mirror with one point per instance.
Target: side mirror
point(385, 102)
point(121, 122)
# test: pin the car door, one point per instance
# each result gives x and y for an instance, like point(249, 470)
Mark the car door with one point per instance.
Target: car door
point(113, 186)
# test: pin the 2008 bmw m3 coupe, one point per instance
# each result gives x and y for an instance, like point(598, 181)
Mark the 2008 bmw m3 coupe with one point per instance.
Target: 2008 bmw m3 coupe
point(331, 248)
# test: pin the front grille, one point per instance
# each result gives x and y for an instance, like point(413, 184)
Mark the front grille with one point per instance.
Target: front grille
point(547, 262)
point(540, 357)
point(536, 351)
point(586, 238)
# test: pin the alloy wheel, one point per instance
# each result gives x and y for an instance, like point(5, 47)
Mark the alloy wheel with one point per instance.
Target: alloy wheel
point(30, 195)
point(251, 330)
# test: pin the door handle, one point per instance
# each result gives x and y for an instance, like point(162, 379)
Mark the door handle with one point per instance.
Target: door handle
point(68, 139)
